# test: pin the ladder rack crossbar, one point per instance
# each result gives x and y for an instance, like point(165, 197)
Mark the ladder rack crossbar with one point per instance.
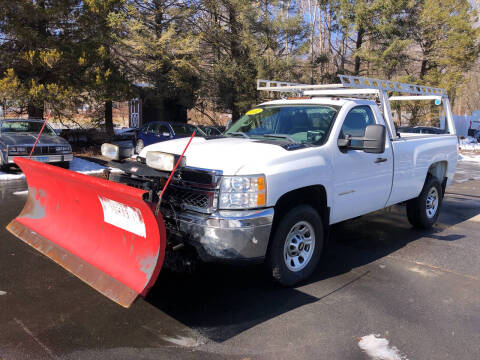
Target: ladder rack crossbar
point(283, 86)
point(385, 85)
point(351, 82)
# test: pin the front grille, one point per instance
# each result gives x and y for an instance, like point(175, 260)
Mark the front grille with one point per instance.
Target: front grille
point(192, 199)
point(42, 150)
point(198, 177)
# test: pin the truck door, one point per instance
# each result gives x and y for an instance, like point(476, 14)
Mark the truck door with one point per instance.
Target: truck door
point(362, 181)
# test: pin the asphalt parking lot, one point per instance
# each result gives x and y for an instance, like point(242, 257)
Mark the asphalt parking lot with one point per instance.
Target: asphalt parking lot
point(420, 290)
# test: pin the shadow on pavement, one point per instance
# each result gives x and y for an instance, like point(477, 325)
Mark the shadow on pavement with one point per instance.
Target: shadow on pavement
point(222, 301)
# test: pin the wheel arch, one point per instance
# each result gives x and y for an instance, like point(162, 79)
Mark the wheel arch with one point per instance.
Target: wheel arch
point(439, 170)
point(315, 196)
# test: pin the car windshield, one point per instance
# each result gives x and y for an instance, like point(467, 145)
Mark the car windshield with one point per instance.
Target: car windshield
point(186, 130)
point(25, 127)
point(297, 123)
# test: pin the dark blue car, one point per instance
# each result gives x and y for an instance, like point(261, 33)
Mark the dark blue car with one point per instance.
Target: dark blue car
point(157, 131)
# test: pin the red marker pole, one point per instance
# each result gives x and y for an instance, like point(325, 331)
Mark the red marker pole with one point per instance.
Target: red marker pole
point(173, 172)
point(38, 137)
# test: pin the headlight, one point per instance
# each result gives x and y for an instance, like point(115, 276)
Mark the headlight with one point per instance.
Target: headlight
point(160, 161)
point(242, 192)
point(163, 161)
point(111, 151)
point(17, 150)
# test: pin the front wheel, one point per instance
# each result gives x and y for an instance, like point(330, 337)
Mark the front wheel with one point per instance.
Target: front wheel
point(296, 245)
point(423, 211)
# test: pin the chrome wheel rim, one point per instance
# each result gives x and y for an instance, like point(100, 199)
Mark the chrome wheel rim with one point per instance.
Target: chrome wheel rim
point(139, 146)
point(432, 202)
point(299, 246)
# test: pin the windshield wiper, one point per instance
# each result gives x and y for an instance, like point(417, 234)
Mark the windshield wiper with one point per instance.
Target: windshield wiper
point(281, 136)
point(238, 133)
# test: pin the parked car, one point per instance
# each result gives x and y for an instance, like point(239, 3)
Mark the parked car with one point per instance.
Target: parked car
point(157, 131)
point(17, 137)
point(421, 130)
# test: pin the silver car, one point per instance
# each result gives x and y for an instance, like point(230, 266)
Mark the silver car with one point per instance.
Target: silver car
point(17, 137)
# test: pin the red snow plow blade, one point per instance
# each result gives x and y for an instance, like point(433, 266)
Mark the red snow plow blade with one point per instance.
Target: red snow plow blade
point(102, 232)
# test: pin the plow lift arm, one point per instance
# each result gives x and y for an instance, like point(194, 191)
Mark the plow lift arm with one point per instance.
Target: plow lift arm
point(103, 232)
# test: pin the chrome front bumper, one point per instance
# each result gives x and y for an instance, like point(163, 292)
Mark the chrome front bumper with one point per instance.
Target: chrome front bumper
point(44, 158)
point(224, 235)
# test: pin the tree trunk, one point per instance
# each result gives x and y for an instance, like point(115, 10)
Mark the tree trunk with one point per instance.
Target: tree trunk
point(236, 53)
point(35, 112)
point(109, 117)
point(423, 70)
point(358, 45)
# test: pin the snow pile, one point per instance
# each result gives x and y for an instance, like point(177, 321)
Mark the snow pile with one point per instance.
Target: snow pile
point(469, 144)
point(77, 164)
point(378, 349)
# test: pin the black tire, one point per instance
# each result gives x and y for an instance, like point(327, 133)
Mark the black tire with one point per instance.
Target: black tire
point(139, 146)
point(4, 168)
point(64, 164)
point(276, 260)
point(419, 210)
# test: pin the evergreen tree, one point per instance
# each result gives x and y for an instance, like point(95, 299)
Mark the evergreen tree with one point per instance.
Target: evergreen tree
point(103, 79)
point(38, 54)
point(158, 47)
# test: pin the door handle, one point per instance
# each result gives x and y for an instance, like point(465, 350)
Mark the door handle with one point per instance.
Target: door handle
point(380, 160)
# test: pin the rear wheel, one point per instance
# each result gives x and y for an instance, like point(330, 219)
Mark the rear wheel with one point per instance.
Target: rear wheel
point(296, 245)
point(423, 211)
point(139, 146)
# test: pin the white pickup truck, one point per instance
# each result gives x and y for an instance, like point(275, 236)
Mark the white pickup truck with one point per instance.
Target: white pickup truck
point(270, 187)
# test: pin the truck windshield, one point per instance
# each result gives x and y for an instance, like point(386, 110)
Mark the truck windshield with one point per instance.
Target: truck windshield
point(300, 123)
point(25, 127)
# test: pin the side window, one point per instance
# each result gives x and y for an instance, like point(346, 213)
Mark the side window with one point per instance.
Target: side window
point(356, 122)
point(160, 129)
point(149, 127)
point(164, 129)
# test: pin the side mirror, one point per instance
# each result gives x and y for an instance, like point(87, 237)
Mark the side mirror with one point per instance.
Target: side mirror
point(374, 139)
point(344, 143)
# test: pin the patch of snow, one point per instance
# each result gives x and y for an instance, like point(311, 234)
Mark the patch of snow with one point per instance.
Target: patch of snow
point(3, 293)
point(7, 176)
point(469, 144)
point(77, 164)
point(24, 192)
point(85, 166)
point(378, 348)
